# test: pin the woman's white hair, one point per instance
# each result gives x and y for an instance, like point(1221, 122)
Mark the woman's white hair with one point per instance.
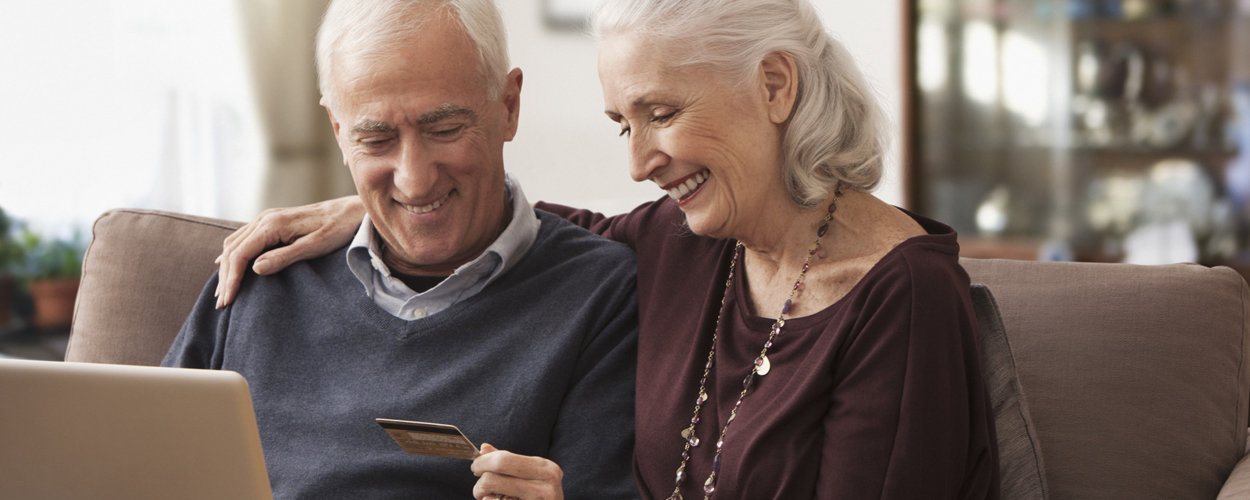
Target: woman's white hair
point(367, 29)
point(837, 129)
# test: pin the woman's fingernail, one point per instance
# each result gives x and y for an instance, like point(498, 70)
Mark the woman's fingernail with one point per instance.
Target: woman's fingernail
point(260, 266)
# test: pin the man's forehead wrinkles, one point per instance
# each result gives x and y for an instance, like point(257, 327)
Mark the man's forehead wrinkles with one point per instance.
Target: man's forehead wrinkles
point(442, 112)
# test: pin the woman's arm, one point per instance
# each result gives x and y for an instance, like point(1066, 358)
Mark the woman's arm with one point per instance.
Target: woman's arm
point(910, 415)
point(306, 232)
point(280, 237)
point(611, 228)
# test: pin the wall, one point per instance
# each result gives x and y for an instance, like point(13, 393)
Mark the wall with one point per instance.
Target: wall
point(567, 151)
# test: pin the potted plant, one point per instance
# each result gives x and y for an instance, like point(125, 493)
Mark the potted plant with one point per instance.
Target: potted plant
point(12, 258)
point(53, 269)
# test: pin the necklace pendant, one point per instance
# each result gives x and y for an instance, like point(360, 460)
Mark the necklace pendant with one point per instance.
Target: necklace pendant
point(676, 496)
point(709, 486)
point(762, 366)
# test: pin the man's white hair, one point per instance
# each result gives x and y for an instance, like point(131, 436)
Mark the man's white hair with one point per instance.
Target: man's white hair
point(837, 130)
point(368, 29)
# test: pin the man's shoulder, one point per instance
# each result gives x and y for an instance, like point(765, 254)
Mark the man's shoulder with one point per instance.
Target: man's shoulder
point(327, 270)
point(561, 237)
point(566, 256)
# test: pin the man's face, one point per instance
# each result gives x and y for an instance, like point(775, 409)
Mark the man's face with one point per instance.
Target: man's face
point(425, 147)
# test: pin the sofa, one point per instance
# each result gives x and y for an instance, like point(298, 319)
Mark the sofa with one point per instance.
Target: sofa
point(1110, 381)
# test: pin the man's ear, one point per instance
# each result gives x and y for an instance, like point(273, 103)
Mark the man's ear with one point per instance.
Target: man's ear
point(325, 104)
point(780, 78)
point(512, 102)
point(334, 122)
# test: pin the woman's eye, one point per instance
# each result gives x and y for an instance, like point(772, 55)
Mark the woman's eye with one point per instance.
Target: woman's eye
point(663, 115)
point(624, 132)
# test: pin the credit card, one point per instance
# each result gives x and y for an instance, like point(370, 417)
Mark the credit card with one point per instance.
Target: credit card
point(434, 440)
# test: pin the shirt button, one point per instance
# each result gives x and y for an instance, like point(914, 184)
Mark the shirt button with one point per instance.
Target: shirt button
point(418, 313)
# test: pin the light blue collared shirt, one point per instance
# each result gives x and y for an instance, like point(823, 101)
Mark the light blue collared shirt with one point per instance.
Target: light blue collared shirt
point(364, 258)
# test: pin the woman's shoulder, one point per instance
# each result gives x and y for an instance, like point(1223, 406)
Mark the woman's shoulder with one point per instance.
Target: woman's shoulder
point(923, 265)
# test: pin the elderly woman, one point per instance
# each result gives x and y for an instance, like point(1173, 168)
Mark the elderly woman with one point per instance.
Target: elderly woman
point(798, 337)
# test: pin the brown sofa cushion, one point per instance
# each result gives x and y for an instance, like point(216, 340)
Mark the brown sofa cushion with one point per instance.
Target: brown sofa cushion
point(140, 278)
point(1019, 451)
point(1136, 376)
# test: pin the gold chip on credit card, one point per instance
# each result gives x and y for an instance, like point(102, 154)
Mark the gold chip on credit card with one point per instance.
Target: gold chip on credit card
point(434, 440)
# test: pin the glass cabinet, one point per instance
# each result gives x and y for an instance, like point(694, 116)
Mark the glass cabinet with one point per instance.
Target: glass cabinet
point(1095, 130)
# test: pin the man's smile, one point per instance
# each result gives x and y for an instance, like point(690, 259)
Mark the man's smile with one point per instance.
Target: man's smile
point(428, 208)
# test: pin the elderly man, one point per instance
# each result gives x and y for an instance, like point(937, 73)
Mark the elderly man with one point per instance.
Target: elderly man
point(456, 303)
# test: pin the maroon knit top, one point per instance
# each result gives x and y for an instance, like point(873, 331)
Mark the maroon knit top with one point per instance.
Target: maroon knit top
point(880, 395)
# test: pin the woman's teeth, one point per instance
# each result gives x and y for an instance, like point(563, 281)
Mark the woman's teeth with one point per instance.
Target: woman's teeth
point(691, 185)
point(427, 208)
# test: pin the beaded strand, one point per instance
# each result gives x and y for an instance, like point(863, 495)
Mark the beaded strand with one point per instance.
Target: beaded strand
point(761, 366)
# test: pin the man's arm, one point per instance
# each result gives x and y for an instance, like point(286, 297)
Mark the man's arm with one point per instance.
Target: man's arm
point(593, 439)
point(594, 435)
point(202, 340)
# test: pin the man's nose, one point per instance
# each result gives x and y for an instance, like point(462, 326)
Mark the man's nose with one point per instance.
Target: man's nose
point(416, 173)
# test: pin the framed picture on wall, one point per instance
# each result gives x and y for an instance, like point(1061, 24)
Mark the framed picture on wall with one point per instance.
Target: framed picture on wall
point(569, 15)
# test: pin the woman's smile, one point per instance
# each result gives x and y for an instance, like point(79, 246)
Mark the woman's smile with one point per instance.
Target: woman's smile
point(684, 189)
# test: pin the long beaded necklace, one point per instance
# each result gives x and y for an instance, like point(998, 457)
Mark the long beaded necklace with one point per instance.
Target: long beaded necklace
point(760, 368)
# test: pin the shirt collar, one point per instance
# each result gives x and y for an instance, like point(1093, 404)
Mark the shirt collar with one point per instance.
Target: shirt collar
point(364, 252)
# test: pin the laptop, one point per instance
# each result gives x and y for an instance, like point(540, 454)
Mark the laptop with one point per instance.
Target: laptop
point(82, 430)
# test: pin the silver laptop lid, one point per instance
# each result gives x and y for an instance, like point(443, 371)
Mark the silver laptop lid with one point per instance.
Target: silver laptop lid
point(81, 430)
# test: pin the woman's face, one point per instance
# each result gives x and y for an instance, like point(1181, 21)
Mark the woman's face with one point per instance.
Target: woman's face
point(711, 146)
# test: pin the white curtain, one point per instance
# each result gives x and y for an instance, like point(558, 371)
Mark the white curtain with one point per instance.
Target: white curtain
point(305, 164)
point(206, 107)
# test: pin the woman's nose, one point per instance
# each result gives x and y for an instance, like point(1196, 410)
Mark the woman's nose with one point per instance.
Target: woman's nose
point(645, 159)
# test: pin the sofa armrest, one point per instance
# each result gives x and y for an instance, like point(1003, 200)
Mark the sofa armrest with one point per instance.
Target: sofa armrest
point(1238, 484)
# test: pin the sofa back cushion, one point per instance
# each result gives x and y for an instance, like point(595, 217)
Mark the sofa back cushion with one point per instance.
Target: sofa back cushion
point(1020, 463)
point(140, 278)
point(1136, 376)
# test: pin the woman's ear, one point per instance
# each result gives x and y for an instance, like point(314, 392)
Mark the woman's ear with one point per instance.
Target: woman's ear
point(780, 76)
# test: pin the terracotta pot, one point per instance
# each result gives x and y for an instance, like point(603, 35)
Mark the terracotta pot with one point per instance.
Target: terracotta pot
point(54, 303)
point(8, 291)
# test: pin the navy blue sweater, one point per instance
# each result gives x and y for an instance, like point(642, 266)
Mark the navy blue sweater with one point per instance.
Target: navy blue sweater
point(541, 362)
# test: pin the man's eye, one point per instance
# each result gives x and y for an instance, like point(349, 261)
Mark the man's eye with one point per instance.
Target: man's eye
point(375, 143)
point(447, 132)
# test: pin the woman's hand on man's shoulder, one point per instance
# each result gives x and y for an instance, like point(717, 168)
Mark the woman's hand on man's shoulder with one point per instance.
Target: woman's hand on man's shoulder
point(280, 237)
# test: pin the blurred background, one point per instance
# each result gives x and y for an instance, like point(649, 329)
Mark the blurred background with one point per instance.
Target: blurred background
point(209, 107)
point(1093, 130)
